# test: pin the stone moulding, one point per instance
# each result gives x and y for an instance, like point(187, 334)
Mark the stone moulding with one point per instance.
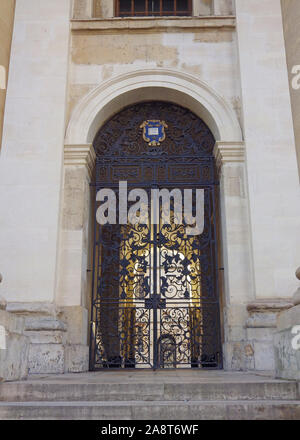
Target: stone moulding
point(152, 84)
point(229, 152)
point(269, 306)
point(80, 155)
point(157, 24)
point(46, 346)
point(263, 313)
point(31, 308)
point(260, 331)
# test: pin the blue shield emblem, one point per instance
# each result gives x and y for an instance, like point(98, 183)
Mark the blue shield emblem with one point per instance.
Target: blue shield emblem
point(154, 132)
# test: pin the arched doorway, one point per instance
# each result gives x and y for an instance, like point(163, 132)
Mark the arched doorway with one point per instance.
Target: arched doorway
point(152, 281)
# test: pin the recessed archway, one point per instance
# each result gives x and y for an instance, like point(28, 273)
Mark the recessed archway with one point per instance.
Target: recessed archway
point(108, 99)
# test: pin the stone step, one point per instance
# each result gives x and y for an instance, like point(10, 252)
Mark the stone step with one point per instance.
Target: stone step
point(64, 391)
point(155, 410)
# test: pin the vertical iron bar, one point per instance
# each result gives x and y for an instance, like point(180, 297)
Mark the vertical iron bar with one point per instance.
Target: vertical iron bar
point(155, 215)
point(218, 332)
point(92, 339)
point(155, 297)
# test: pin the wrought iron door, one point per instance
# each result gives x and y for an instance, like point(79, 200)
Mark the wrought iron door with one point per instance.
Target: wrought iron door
point(155, 288)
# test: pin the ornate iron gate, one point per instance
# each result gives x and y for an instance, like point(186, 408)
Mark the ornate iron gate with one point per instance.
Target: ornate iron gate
point(155, 288)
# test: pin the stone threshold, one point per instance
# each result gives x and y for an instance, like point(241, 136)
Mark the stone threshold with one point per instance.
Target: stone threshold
point(149, 376)
point(158, 24)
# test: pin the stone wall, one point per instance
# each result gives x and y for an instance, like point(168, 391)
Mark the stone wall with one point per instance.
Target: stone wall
point(287, 358)
point(14, 346)
point(55, 337)
point(223, 7)
point(83, 8)
point(251, 331)
point(273, 181)
point(32, 149)
point(7, 10)
point(287, 340)
point(207, 64)
point(104, 49)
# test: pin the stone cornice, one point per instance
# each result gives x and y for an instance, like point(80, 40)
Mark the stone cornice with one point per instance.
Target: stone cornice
point(80, 155)
point(263, 313)
point(150, 24)
point(229, 152)
point(269, 305)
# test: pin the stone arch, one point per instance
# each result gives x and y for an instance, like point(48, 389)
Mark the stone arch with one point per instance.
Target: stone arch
point(159, 84)
point(186, 90)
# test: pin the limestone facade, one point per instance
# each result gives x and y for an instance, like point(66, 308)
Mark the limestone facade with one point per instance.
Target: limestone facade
point(74, 65)
point(287, 340)
point(14, 346)
point(291, 23)
point(7, 10)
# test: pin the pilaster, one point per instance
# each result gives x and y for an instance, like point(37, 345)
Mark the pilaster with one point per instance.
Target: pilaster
point(74, 255)
point(236, 249)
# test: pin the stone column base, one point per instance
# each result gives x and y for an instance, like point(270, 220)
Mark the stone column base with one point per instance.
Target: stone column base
point(56, 343)
point(287, 353)
point(249, 345)
point(14, 347)
point(260, 330)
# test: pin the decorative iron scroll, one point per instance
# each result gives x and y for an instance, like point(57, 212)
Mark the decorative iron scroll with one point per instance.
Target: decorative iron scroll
point(155, 289)
point(186, 135)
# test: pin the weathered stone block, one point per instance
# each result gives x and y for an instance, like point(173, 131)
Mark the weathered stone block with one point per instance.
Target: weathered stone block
point(288, 318)
point(14, 359)
point(44, 323)
point(261, 320)
point(82, 8)
point(76, 319)
point(260, 334)
point(46, 337)
point(14, 348)
point(287, 356)
point(287, 359)
point(236, 314)
point(28, 308)
point(264, 357)
point(11, 323)
point(46, 358)
point(238, 356)
point(235, 333)
point(76, 358)
point(223, 7)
